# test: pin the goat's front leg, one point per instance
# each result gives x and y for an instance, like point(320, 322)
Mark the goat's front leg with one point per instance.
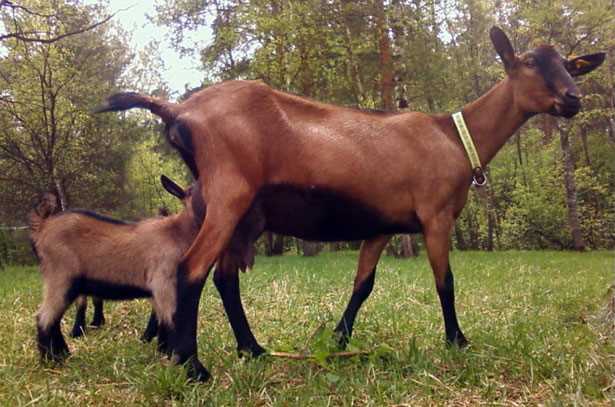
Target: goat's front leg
point(223, 214)
point(363, 284)
point(151, 330)
point(99, 317)
point(79, 326)
point(437, 234)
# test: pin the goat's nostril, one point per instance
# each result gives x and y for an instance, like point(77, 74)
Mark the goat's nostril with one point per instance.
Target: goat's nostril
point(573, 95)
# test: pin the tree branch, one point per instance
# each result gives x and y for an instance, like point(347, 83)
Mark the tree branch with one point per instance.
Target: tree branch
point(21, 37)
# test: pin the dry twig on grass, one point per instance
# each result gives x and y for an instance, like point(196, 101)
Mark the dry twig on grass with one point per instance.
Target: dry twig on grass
point(304, 356)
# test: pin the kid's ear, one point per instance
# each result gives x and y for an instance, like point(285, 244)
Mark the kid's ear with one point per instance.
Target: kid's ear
point(171, 187)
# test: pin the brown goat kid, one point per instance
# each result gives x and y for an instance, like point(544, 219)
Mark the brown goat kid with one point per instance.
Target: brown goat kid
point(322, 172)
point(83, 253)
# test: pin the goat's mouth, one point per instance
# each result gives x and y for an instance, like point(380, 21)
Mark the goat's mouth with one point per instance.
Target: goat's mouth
point(566, 109)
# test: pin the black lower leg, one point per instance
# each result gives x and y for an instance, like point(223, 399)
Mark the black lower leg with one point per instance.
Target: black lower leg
point(447, 299)
point(182, 336)
point(99, 316)
point(360, 294)
point(79, 325)
point(51, 343)
point(163, 339)
point(228, 287)
point(151, 329)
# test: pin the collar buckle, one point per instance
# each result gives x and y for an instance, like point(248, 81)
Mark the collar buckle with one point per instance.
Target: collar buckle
point(479, 178)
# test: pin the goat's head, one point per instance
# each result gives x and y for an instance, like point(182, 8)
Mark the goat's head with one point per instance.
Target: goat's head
point(542, 79)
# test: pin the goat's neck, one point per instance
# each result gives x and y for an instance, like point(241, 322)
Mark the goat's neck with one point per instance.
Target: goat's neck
point(492, 119)
point(184, 226)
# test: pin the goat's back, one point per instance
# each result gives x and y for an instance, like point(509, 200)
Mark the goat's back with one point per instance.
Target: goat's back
point(87, 244)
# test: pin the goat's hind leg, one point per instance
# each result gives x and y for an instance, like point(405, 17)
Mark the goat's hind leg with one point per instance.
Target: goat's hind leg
point(363, 284)
point(164, 305)
point(79, 326)
point(223, 215)
point(51, 343)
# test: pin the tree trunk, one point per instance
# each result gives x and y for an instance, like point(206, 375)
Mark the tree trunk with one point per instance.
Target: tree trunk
point(310, 248)
point(461, 242)
point(611, 131)
point(268, 244)
point(277, 249)
point(387, 84)
point(571, 191)
point(335, 246)
point(408, 247)
point(585, 147)
point(61, 194)
point(352, 67)
point(274, 244)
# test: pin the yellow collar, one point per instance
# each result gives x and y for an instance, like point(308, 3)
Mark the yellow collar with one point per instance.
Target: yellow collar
point(478, 175)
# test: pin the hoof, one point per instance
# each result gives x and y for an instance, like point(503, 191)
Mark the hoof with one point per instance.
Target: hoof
point(459, 341)
point(148, 336)
point(98, 322)
point(164, 349)
point(55, 356)
point(341, 339)
point(196, 371)
point(252, 351)
point(77, 332)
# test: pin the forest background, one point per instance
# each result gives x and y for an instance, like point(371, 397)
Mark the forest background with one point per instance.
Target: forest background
point(551, 187)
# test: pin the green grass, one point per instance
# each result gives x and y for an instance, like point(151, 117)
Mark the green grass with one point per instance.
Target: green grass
point(537, 323)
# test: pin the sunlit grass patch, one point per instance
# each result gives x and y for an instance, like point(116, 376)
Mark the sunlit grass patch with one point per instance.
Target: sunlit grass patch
point(538, 325)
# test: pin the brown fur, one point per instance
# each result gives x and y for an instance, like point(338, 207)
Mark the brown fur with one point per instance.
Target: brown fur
point(82, 253)
point(109, 252)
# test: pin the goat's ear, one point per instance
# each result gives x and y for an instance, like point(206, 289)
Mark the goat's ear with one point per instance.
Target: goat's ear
point(172, 188)
point(503, 47)
point(585, 64)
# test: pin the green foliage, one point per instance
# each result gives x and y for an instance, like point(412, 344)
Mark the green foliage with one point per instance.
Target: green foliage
point(442, 58)
point(148, 162)
point(597, 205)
point(49, 140)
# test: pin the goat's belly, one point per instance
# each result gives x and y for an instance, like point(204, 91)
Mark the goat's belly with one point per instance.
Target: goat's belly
point(110, 290)
point(323, 215)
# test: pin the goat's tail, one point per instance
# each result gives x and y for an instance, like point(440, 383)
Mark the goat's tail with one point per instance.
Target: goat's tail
point(128, 100)
point(46, 206)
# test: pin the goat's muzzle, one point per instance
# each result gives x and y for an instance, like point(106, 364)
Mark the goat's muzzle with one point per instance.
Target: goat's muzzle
point(567, 105)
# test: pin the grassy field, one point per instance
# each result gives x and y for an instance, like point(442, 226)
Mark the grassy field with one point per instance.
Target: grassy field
point(538, 323)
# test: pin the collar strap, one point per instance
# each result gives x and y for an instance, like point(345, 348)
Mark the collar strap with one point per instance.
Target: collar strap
point(478, 174)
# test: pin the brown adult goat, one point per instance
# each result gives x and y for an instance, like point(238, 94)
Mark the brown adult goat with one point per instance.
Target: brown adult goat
point(322, 172)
